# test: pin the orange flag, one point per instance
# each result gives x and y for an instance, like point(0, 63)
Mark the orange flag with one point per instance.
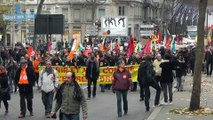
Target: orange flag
point(74, 48)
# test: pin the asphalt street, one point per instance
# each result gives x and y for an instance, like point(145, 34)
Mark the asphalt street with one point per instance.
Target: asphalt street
point(103, 107)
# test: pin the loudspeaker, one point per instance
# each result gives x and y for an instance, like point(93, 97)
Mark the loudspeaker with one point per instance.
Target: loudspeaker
point(49, 24)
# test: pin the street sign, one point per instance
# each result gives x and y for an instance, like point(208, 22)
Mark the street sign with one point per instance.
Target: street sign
point(18, 17)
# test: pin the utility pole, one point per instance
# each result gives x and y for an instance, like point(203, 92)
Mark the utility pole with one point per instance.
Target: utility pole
point(39, 9)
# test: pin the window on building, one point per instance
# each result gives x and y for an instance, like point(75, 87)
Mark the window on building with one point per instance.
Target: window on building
point(121, 10)
point(89, 15)
point(101, 12)
point(77, 13)
point(129, 31)
point(32, 11)
point(65, 13)
point(23, 11)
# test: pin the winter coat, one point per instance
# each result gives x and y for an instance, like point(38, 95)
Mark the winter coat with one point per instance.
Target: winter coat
point(142, 73)
point(121, 80)
point(92, 69)
point(31, 78)
point(167, 74)
point(180, 69)
point(4, 87)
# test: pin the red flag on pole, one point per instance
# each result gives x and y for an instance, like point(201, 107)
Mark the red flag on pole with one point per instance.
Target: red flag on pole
point(131, 47)
point(146, 49)
point(159, 37)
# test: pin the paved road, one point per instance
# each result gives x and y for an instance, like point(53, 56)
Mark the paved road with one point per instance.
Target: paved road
point(103, 107)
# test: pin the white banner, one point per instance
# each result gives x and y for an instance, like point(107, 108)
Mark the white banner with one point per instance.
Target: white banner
point(118, 26)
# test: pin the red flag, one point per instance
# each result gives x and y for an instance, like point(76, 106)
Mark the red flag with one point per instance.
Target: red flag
point(167, 44)
point(131, 47)
point(146, 49)
point(86, 52)
point(159, 37)
point(31, 52)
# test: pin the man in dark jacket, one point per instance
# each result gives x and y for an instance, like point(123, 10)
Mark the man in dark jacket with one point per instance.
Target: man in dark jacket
point(92, 74)
point(209, 61)
point(121, 83)
point(167, 78)
point(25, 79)
point(145, 81)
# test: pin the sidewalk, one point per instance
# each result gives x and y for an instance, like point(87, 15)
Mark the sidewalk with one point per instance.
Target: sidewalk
point(182, 100)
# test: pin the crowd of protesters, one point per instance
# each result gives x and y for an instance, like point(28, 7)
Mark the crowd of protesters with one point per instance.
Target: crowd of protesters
point(166, 64)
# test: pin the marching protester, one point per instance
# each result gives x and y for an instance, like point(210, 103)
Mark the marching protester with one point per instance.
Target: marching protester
point(121, 83)
point(103, 63)
point(25, 79)
point(180, 72)
point(11, 67)
point(48, 82)
point(157, 68)
point(140, 80)
point(4, 88)
point(132, 61)
point(92, 74)
point(208, 59)
point(36, 63)
point(69, 99)
point(167, 78)
point(146, 76)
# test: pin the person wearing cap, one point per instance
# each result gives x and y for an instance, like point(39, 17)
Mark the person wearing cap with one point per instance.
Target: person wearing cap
point(25, 78)
point(121, 83)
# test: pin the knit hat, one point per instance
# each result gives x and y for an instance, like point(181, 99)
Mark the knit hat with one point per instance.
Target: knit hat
point(120, 62)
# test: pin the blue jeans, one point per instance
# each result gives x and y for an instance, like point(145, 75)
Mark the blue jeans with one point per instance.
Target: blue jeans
point(121, 94)
point(47, 99)
point(167, 88)
point(71, 117)
point(12, 83)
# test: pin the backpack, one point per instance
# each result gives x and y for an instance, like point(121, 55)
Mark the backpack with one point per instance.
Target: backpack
point(150, 73)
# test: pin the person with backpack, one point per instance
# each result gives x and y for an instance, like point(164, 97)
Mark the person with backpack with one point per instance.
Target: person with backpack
point(69, 98)
point(146, 76)
point(48, 82)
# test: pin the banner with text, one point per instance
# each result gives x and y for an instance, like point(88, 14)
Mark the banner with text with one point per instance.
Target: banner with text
point(105, 77)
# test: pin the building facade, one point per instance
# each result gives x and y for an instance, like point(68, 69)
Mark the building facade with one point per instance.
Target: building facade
point(79, 15)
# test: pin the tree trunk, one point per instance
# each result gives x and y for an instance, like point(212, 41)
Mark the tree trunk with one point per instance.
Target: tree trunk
point(196, 90)
point(38, 13)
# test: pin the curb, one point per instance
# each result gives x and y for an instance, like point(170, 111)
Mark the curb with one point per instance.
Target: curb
point(157, 110)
